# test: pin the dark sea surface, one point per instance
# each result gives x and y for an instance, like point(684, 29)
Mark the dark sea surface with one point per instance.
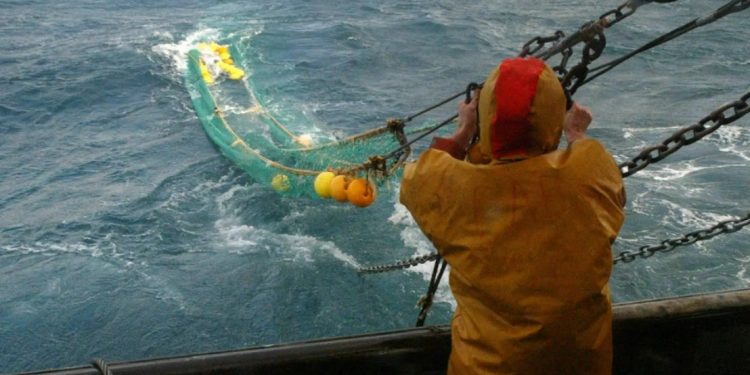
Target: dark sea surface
point(125, 234)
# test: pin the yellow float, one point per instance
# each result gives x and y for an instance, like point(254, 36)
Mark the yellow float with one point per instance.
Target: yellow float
point(323, 184)
point(280, 183)
point(220, 57)
point(232, 71)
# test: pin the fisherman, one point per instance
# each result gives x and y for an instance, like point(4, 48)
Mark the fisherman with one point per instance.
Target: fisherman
point(526, 228)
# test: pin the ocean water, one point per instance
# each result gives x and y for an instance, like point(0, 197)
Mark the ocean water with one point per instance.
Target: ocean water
point(124, 234)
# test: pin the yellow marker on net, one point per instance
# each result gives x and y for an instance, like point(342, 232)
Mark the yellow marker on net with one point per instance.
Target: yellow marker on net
point(234, 72)
point(280, 183)
point(305, 140)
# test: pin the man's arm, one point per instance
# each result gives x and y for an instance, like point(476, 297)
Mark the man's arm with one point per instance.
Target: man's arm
point(457, 144)
point(577, 121)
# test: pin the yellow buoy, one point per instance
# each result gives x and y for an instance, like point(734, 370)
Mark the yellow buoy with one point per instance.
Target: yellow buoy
point(323, 184)
point(338, 188)
point(222, 50)
point(226, 57)
point(233, 71)
point(280, 183)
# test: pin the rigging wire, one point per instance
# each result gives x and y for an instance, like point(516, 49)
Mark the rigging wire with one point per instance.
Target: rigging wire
point(536, 46)
point(591, 34)
point(733, 6)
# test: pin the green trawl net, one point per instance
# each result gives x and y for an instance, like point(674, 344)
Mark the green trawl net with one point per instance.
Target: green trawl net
point(248, 134)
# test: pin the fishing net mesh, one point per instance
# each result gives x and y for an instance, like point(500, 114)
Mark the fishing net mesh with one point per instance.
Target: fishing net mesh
point(253, 138)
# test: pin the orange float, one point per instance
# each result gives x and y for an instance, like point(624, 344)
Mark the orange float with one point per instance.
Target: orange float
point(361, 192)
point(339, 185)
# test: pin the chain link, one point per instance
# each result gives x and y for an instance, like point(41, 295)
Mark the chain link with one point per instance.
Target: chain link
point(537, 43)
point(727, 226)
point(725, 114)
point(604, 21)
point(554, 44)
point(591, 34)
point(614, 16)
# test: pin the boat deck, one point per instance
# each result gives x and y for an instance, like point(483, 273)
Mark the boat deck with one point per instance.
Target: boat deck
point(699, 334)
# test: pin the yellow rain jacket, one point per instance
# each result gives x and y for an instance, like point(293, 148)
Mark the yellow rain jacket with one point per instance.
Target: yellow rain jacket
point(528, 241)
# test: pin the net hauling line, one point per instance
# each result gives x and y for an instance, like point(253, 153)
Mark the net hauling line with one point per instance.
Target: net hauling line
point(376, 164)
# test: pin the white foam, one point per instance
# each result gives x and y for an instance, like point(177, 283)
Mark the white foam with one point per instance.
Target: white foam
point(689, 218)
point(651, 130)
point(53, 248)
point(177, 197)
point(241, 238)
point(177, 51)
point(247, 239)
point(636, 202)
point(676, 171)
point(223, 200)
point(734, 140)
point(669, 172)
point(742, 274)
point(340, 255)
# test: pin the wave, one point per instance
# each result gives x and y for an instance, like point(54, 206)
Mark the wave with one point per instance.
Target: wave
point(242, 238)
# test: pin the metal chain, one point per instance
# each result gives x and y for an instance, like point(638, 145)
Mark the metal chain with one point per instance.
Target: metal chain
point(727, 226)
point(537, 43)
point(591, 34)
point(584, 33)
point(725, 114)
point(400, 265)
point(665, 246)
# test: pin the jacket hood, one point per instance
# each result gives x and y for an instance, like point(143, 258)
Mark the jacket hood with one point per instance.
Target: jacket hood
point(521, 111)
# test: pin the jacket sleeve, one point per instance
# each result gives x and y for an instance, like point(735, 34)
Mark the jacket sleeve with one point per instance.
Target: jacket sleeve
point(450, 146)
